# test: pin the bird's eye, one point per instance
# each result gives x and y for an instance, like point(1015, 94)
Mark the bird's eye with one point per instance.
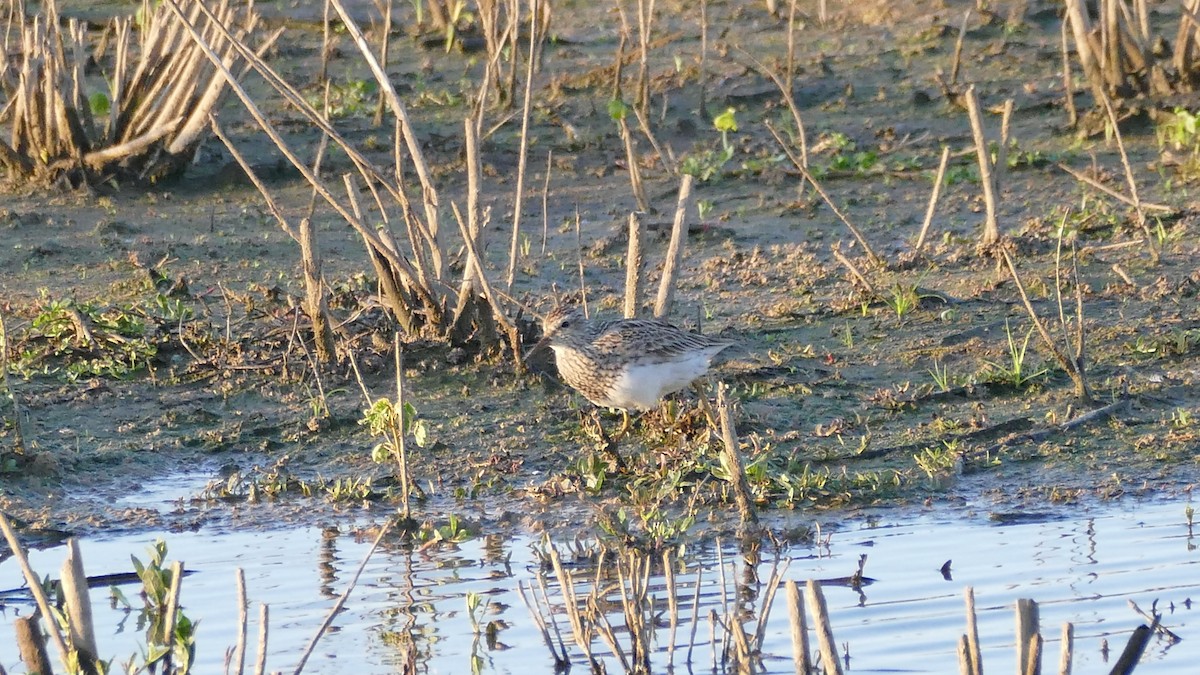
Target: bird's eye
point(565, 323)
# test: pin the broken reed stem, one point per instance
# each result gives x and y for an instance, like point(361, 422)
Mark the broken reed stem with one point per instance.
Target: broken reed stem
point(1068, 88)
point(581, 629)
point(933, 197)
point(384, 43)
point(239, 650)
point(974, 654)
point(510, 329)
point(579, 256)
point(732, 458)
point(768, 602)
point(695, 612)
point(1033, 665)
point(785, 89)
point(546, 200)
point(1074, 368)
point(260, 663)
point(1133, 193)
point(1027, 630)
point(314, 294)
point(561, 661)
point(645, 27)
point(1084, 178)
point(1068, 646)
point(991, 230)
point(703, 74)
point(272, 205)
point(74, 587)
point(31, 644)
point(1133, 649)
point(956, 60)
point(964, 656)
point(795, 600)
point(820, 612)
point(341, 601)
point(167, 639)
point(1076, 14)
point(666, 286)
point(803, 169)
point(1000, 166)
point(672, 605)
point(522, 157)
point(401, 446)
point(545, 600)
point(666, 156)
point(635, 172)
point(633, 267)
point(460, 321)
point(849, 265)
point(34, 582)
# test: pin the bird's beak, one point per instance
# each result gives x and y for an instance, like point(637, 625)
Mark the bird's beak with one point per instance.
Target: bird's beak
point(541, 344)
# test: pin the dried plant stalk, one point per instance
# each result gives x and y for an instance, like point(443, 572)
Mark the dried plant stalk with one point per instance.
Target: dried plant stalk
point(666, 286)
point(987, 176)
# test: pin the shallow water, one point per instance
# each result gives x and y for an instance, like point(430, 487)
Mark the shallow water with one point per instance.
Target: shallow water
point(1082, 565)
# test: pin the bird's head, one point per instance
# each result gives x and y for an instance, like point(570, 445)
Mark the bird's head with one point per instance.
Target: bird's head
point(563, 325)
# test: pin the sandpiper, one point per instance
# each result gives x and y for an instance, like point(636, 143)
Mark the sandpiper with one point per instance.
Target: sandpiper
point(627, 363)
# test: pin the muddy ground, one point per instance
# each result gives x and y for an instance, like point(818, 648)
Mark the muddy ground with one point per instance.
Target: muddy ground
point(193, 289)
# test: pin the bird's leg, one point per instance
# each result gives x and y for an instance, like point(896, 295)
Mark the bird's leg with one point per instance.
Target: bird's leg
point(624, 424)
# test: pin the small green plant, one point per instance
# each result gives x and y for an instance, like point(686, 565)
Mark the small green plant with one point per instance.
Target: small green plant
point(347, 490)
point(99, 104)
point(1179, 134)
point(394, 424)
point(936, 461)
point(171, 647)
point(451, 534)
point(704, 165)
point(592, 471)
point(651, 528)
point(1015, 373)
point(82, 340)
point(477, 608)
point(846, 157)
point(961, 174)
point(355, 98)
point(941, 376)
point(1182, 418)
point(903, 299)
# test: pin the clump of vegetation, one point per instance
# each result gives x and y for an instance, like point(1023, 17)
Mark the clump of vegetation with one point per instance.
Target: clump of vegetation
point(77, 340)
point(147, 126)
point(1178, 136)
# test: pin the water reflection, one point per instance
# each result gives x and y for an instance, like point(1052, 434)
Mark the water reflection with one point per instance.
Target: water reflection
point(459, 608)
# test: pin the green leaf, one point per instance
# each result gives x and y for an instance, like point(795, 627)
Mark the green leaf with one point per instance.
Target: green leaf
point(99, 103)
point(726, 121)
point(617, 109)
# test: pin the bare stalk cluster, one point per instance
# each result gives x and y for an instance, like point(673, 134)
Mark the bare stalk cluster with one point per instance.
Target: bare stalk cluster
point(147, 125)
point(1122, 59)
point(405, 236)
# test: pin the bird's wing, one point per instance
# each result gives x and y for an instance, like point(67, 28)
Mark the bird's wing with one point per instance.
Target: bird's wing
point(649, 339)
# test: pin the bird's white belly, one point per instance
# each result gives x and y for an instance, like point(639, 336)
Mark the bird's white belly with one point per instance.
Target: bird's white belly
point(642, 386)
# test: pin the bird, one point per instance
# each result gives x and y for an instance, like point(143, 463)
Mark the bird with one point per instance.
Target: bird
point(627, 364)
